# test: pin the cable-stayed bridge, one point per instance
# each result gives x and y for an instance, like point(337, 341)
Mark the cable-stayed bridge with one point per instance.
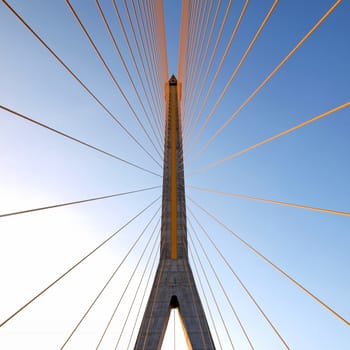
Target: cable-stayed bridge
point(262, 93)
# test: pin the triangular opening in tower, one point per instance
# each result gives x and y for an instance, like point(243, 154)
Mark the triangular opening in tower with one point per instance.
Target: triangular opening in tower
point(175, 337)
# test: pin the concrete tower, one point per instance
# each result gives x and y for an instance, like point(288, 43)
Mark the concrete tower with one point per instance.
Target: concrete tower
point(174, 285)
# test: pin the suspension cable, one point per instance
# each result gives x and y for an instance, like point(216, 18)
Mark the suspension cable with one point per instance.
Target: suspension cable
point(233, 75)
point(199, 78)
point(183, 35)
point(152, 8)
point(116, 308)
point(121, 57)
point(219, 282)
point(194, 82)
point(148, 8)
point(111, 278)
point(144, 44)
point(143, 297)
point(162, 28)
point(274, 137)
point(218, 70)
point(113, 116)
point(17, 114)
point(143, 61)
point(194, 62)
point(283, 273)
point(140, 13)
point(212, 56)
point(77, 202)
point(104, 63)
point(322, 210)
point(153, 105)
point(274, 71)
point(243, 285)
point(205, 297)
point(76, 264)
point(212, 294)
point(189, 49)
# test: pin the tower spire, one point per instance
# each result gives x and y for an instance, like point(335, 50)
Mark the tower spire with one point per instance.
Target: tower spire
point(174, 285)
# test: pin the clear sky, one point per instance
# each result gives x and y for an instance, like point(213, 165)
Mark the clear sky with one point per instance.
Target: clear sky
point(309, 167)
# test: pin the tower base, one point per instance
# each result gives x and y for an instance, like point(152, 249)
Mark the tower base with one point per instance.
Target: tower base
point(174, 286)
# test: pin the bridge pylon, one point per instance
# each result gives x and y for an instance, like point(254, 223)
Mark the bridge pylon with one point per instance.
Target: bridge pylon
point(174, 285)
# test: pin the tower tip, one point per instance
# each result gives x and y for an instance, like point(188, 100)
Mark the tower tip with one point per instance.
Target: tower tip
point(173, 80)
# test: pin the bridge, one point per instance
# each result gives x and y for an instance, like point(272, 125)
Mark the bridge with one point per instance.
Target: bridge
point(87, 197)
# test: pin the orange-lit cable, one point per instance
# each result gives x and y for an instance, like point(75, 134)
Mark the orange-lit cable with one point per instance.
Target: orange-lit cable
point(205, 296)
point(147, 52)
point(144, 45)
point(209, 284)
point(213, 81)
point(194, 59)
point(283, 273)
point(274, 137)
point(210, 62)
point(142, 77)
point(189, 50)
point(183, 36)
point(220, 284)
point(104, 63)
point(153, 49)
point(293, 205)
point(66, 67)
point(198, 51)
point(274, 71)
point(187, 126)
point(158, 136)
point(152, 24)
point(161, 28)
point(187, 34)
point(199, 77)
point(194, 33)
point(228, 84)
point(203, 39)
point(147, 45)
point(158, 24)
point(242, 284)
point(159, 32)
point(186, 39)
point(183, 41)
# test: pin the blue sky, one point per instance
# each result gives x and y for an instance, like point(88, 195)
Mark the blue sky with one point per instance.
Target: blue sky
point(309, 166)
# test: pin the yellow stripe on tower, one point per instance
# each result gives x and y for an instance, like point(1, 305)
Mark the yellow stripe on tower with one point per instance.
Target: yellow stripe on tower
point(173, 102)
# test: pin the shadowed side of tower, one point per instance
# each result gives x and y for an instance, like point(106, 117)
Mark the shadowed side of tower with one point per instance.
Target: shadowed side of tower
point(174, 285)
